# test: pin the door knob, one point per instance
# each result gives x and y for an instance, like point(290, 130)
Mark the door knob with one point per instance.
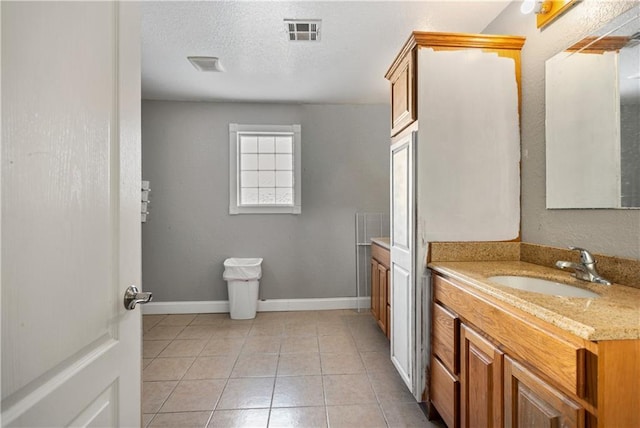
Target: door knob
point(132, 296)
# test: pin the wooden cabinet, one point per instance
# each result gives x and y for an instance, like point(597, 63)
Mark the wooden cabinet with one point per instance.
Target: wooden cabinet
point(380, 304)
point(480, 381)
point(531, 402)
point(493, 365)
point(403, 107)
point(444, 390)
point(447, 91)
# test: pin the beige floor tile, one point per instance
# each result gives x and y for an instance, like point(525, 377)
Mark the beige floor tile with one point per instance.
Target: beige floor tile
point(330, 316)
point(154, 394)
point(372, 343)
point(247, 393)
point(167, 368)
point(194, 395)
point(343, 344)
point(162, 332)
point(300, 364)
point(333, 363)
point(261, 345)
point(177, 319)
point(377, 361)
point(146, 419)
point(348, 389)
point(181, 419)
point(229, 322)
point(267, 329)
point(359, 415)
point(332, 328)
point(152, 348)
point(198, 332)
point(262, 317)
point(297, 344)
point(404, 415)
point(245, 418)
point(275, 360)
point(297, 391)
point(388, 386)
point(300, 329)
point(255, 365)
point(184, 348)
point(302, 316)
point(209, 319)
point(309, 417)
point(270, 316)
point(149, 321)
point(217, 367)
point(223, 346)
point(232, 331)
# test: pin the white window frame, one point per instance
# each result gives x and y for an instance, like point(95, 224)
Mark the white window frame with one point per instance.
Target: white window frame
point(234, 166)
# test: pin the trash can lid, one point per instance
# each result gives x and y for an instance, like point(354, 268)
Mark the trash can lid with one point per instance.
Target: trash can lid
point(242, 262)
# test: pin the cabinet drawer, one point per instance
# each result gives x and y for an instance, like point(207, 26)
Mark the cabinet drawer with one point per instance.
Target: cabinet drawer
point(446, 330)
point(561, 361)
point(382, 255)
point(445, 393)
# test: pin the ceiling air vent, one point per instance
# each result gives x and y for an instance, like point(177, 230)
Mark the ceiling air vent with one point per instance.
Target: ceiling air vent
point(206, 63)
point(303, 29)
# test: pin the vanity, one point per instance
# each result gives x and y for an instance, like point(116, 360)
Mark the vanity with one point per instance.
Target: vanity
point(507, 357)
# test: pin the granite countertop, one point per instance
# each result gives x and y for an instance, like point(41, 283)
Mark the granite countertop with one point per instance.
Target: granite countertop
point(383, 242)
point(615, 315)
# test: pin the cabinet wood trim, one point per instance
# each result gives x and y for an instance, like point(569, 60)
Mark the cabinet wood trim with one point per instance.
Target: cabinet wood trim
point(375, 289)
point(382, 298)
point(619, 383)
point(530, 401)
point(481, 401)
point(454, 40)
point(526, 341)
point(445, 393)
point(382, 255)
point(445, 337)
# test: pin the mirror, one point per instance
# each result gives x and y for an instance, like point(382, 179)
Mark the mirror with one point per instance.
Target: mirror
point(593, 119)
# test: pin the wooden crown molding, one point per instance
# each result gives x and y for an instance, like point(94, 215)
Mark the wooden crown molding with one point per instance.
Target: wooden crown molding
point(455, 41)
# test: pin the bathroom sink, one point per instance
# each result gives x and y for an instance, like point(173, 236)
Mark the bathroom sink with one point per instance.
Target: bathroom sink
point(542, 286)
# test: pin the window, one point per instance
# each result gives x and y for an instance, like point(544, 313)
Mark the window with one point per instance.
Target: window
point(264, 169)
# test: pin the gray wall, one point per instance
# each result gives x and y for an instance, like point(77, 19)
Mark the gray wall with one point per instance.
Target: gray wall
point(185, 152)
point(615, 232)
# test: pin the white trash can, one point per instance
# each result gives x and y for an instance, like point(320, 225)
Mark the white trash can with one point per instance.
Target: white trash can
point(242, 277)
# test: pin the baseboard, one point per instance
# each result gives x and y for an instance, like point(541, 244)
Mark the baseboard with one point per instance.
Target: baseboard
point(271, 305)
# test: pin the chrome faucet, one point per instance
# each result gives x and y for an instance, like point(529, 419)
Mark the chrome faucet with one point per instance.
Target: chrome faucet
point(586, 269)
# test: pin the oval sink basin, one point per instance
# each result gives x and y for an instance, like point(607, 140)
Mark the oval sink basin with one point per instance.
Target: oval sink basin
point(543, 286)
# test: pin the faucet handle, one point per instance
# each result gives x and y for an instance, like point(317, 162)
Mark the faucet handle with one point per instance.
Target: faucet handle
point(585, 256)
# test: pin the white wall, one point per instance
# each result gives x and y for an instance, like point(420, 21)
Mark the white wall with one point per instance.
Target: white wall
point(615, 232)
point(189, 233)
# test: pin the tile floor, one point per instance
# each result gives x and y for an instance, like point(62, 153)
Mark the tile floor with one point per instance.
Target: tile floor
point(283, 369)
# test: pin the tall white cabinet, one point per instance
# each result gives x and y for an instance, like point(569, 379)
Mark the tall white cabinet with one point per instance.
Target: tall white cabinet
point(455, 107)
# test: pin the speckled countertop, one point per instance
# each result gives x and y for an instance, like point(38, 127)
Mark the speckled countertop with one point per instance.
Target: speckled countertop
point(614, 315)
point(383, 242)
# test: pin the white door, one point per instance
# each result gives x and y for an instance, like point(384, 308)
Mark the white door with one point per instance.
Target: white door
point(402, 258)
point(70, 213)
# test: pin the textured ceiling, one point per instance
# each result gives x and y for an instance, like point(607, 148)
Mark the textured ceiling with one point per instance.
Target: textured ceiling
point(359, 40)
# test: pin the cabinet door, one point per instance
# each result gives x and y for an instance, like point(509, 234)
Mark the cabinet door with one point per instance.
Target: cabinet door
point(403, 111)
point(480, 381)
point(445, 394)
point(375, 290)
point(388, 305)
point(382, 301)
point(531, 402)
